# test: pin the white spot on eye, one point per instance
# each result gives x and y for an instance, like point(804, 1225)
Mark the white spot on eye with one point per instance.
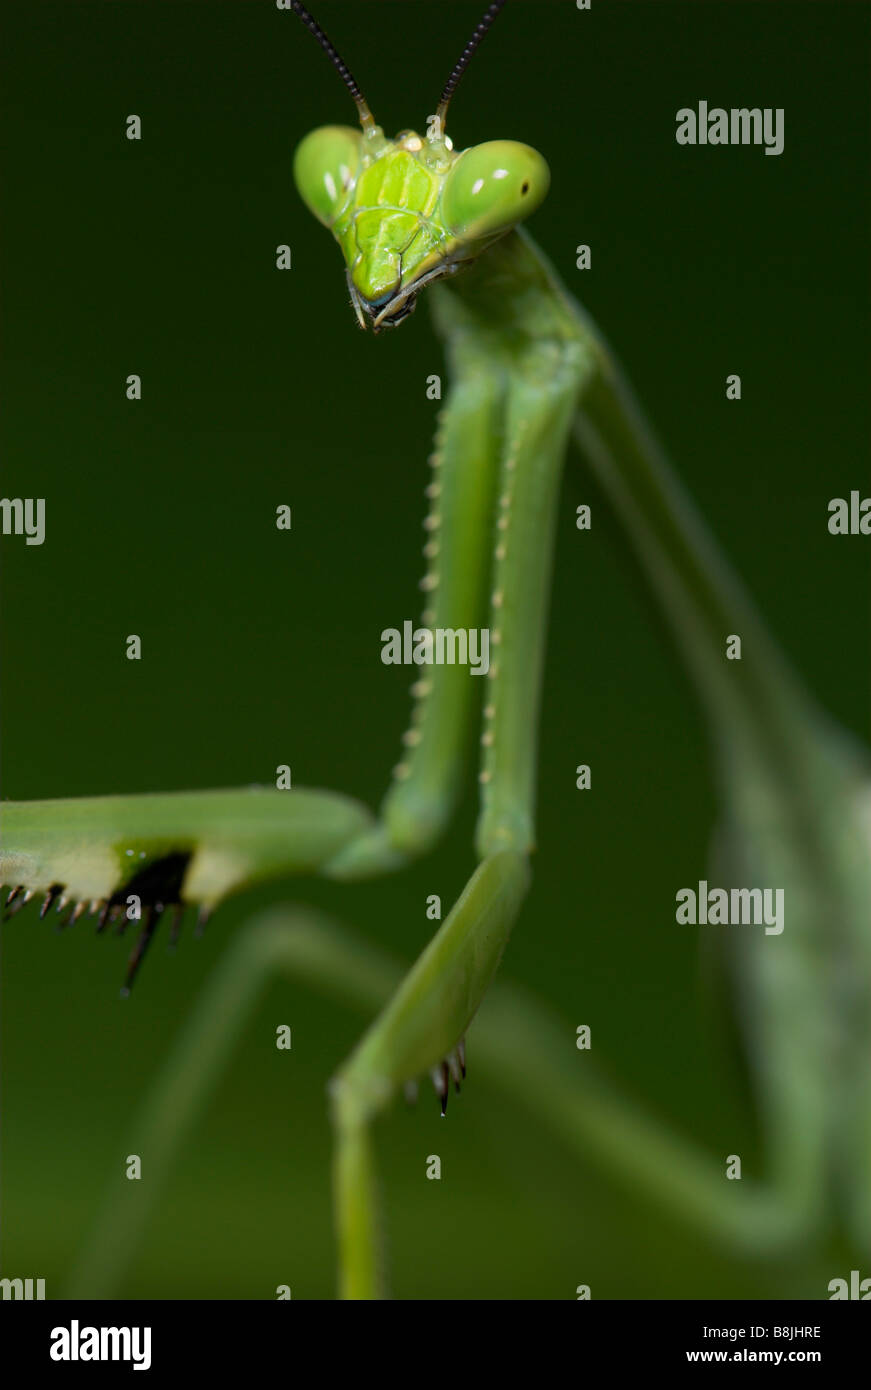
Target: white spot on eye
point(500, 173)
point(477, 186)
point(130, 852)
point(330, 186)
point(414, 142)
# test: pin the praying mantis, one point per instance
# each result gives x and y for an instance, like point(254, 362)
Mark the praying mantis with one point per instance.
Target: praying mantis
point(530, 373)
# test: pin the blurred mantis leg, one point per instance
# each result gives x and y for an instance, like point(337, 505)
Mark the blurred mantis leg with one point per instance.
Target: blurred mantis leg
point(791, 789)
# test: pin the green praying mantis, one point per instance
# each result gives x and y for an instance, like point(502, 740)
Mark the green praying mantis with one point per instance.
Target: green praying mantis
point(531, 375)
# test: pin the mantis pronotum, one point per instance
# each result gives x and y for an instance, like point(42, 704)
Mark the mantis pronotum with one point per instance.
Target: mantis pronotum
point(524, 361)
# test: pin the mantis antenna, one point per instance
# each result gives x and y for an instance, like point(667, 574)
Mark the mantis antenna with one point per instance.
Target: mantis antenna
point(367, 120)
point(463, 62)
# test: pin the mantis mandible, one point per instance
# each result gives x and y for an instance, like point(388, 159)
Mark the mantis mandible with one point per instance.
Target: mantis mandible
point(529, 372)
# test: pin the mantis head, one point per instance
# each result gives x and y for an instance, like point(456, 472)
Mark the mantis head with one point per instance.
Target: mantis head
point(412, 210)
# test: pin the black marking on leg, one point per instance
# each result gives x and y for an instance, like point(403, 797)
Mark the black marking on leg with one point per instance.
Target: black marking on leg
point(158, 882)
point(158, 885)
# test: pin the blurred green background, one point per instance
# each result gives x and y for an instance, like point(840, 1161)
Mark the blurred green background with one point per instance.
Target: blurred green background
point(262, 647)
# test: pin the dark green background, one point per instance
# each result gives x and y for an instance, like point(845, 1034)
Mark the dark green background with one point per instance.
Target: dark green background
point(262, 647)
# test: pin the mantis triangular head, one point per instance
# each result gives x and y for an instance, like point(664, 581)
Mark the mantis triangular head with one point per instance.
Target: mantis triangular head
point(411, 210)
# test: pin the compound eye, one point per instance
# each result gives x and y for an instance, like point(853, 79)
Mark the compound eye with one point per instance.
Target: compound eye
point(325, 168)
point(492, 187)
